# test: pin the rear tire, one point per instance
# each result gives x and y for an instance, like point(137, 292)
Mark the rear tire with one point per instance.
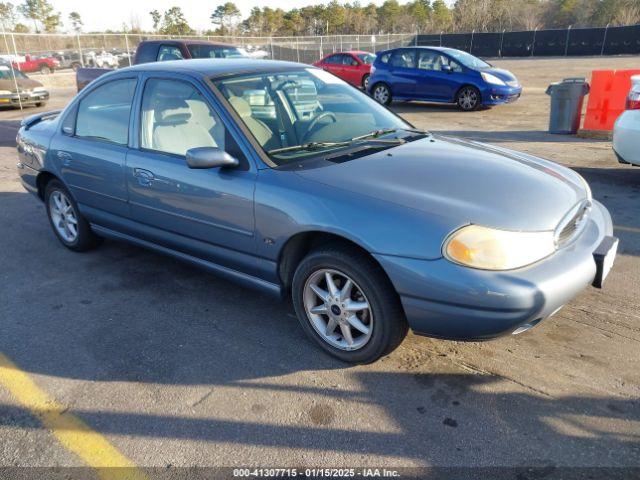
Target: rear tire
point(71, 228)
point(382, 93)
point(365, 81)
point(379, 325)
point(468, 98)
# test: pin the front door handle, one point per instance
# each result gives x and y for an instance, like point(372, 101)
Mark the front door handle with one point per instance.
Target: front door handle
point(145, 177)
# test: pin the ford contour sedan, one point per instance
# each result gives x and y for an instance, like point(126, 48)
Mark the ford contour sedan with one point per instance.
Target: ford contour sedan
point(283, 177)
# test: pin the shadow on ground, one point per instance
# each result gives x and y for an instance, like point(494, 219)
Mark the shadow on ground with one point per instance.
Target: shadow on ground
point(123, 314)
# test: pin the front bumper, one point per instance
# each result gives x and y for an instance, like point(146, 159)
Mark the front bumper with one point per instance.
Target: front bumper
point(31, 98)
point(498, 95)
point(445, 300)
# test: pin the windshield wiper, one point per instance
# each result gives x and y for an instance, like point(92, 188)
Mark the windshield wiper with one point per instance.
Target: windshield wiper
point(368, 137)
point(307, 146)
point(387, 131)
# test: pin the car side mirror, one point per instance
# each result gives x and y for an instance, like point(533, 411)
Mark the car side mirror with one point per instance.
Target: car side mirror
point(446, 68)
point(210, 157)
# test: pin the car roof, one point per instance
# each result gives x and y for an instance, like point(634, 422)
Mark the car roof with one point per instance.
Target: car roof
point(186, 42)
point(438, 49)
point(212, 67)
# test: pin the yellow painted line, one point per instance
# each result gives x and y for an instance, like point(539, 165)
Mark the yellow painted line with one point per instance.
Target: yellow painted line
point(71, 432)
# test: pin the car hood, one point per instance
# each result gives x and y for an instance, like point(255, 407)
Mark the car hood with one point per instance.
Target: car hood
point(504, 75)
point(466, 182)
point(23, 84)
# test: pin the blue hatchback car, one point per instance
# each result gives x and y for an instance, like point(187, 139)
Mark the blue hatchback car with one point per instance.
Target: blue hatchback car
point(442, 75)
point(283, 177)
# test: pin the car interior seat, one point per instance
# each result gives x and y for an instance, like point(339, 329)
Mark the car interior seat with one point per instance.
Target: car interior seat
point(174, 130)
point(263, 134)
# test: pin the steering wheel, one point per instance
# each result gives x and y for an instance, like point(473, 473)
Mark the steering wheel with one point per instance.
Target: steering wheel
point(315, 121)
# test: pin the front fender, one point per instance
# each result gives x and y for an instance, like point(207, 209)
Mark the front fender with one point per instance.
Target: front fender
point(287, 204)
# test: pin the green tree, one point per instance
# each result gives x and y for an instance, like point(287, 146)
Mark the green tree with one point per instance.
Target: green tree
point(76, 21)
point(389, 15)
point(227, 14)
point(52, 22)
point(156, 17)
point(175, 23)
point(8, 16)
point(20, 28)
point(39, 12)
point(441, 17)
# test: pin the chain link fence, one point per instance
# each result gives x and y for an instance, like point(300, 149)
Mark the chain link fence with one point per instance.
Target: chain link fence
point(118, 50)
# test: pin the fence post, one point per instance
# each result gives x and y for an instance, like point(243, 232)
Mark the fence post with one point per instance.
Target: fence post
point(126, 42)
point(566, 47)
point(441, 37)
point(15, 81)
point(80, 50)
point(388, 40)
point(271, 47)
point(321, 55)
point(415, 43)
point(533, 46)
point(604, 40)
point(471, 47)
point(501, 42)
point(298, 49)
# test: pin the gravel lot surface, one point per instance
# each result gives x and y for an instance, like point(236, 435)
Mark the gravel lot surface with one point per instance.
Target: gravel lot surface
point(178, 368)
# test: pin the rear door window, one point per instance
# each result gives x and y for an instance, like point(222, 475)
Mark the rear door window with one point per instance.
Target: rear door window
point(104, 113)
point(403, 59)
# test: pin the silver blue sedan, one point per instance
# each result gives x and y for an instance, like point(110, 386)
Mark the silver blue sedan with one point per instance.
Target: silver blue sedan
point(282, 177)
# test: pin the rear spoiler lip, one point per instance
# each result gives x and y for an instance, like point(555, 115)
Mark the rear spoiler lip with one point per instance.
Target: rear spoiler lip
point(31, 120)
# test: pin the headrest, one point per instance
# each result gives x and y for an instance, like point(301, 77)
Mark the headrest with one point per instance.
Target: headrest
point(172, 111)
point(241, 106)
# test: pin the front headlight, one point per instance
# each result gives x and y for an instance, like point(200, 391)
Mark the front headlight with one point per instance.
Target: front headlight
point(490, 249)
point(490, 78)
point(5, 92)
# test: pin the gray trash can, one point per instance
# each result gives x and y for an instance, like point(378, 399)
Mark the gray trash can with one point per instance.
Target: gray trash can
point(566, 104)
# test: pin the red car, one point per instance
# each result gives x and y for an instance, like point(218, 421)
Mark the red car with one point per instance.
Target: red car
point(353, 67)
point(44, 65)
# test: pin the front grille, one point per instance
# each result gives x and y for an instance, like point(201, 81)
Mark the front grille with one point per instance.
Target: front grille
point(569, 229)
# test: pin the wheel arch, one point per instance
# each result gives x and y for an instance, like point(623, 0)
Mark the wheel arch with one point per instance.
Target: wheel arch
point(301, 243)
point(468, 84)
point(42, 180)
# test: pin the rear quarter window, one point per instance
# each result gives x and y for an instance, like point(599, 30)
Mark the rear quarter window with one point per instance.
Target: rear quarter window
point(384, 58)
point(147, 52)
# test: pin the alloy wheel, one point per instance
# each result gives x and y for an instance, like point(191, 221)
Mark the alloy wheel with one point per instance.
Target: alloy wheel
point(338, 309)
point(63, 216)
point(468, 99)
point(381, 94)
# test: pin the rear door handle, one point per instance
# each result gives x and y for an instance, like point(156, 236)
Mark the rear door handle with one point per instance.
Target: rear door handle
point(145, 177)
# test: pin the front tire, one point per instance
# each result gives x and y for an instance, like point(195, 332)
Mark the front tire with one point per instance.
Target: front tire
point(468, 98)
point(381, 94)
point(45, 70)
point(346, 304)
point(71, 228)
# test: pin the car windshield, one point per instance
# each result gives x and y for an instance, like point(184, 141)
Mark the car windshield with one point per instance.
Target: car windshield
point(367, 58)
point(467, 59)
point(295, 115)
point(215, 51)
point(6, 72)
